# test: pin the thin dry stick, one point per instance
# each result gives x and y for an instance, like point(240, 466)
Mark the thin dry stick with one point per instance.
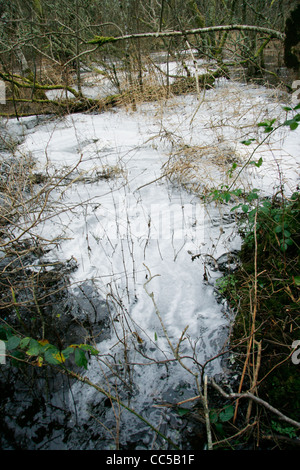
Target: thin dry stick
point(207, 420)
point(224, 441)
point(255, 377)
point(179, 403)
point(251, 338)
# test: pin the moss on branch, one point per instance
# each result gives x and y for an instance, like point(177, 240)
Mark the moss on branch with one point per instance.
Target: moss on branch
point(100, 40)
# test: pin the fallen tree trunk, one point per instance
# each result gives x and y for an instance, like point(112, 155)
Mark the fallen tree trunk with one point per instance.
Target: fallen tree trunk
point(22, 82)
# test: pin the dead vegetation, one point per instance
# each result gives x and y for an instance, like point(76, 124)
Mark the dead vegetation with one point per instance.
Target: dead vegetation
point(197, 168)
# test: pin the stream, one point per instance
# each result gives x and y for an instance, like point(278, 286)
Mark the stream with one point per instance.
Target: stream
point(146, 249)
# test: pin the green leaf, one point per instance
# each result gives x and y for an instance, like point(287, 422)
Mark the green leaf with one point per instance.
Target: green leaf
point(34, 348)
point(59, 357)
point(67, 352)
point(183, 411)
point(235, 208)
point(284, 246)
point(267, 125)
point(227, 196)
point(253, 195)
point(288, 430)
point(297, 280)
point(50, 356)
point(287, 108)
point(24, 342)
point(259, 163)
point(155, 336)
point(80, 358)
point(13, 342)
point(252, 213)
point(219, 428)
point(247, 142)
point(91, 349)
point(16, 356)
point(237, 192)
point(294, 125)
point(213, 416)
point(4, 332)
point(278, 229)
point(245, 208)
point(226, 414)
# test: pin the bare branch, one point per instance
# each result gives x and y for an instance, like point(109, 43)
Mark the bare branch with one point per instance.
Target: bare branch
point(234, 27)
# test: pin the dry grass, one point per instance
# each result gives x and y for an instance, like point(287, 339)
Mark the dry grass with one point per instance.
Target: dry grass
point(198, 168)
